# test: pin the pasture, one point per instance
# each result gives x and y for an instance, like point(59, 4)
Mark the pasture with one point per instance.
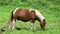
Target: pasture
point(51, 12)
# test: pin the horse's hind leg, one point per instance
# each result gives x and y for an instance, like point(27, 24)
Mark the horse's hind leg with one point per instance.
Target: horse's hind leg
point(11, 24)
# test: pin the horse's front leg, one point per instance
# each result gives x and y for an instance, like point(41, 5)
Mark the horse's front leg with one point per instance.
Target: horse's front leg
point(32, 25)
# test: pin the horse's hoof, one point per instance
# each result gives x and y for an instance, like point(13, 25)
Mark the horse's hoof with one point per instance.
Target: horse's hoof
point(3, 30)
point(18, 28)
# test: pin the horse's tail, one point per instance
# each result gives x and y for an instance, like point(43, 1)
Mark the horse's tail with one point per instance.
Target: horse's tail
point(11, 18)
point(12, 14)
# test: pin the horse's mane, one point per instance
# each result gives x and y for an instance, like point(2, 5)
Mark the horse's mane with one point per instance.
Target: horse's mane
point(39, 15)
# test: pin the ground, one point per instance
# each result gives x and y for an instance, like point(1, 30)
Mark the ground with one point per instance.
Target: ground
point(51, 12)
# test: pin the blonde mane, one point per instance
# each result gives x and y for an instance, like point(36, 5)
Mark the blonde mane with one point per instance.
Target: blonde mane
point(39, 15)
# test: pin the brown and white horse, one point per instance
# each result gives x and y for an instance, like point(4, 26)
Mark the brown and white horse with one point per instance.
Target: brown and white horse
point(26, 15)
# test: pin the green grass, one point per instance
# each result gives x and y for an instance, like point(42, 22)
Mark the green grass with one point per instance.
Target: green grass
point(49, 9)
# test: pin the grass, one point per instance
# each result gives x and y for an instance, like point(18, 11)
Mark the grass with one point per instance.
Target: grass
point(49, 9)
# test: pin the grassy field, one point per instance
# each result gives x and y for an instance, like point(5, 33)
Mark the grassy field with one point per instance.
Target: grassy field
point(49, 9)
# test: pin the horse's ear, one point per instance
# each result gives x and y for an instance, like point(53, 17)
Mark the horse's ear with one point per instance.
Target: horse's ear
point(44, 20)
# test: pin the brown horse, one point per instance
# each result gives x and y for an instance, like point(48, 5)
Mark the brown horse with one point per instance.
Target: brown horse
point(26, 15)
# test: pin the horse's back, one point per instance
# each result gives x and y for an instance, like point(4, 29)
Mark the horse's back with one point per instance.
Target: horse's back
point(23, 14)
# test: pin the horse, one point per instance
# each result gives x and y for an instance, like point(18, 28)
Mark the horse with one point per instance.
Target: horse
point(26, 15)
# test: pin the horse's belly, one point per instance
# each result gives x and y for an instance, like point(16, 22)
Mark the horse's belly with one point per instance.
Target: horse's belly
point(24, 18)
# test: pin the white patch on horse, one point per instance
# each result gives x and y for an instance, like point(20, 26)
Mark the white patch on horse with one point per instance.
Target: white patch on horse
point(32, 26)
point(30, 10)
point(15, 10)
point(13, 21)
point(13, 24)
point(39, 15)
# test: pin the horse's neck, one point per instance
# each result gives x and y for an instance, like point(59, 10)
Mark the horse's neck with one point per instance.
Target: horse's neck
point(39, 15)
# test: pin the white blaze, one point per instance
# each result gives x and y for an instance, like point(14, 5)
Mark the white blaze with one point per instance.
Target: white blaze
point(39, 15)
point(15, 10)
